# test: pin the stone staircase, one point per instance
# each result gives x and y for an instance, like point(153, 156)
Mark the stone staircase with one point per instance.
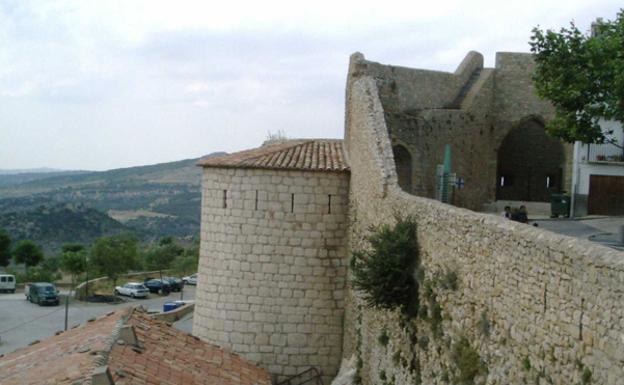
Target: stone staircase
point(457, 102)
point(310, 376)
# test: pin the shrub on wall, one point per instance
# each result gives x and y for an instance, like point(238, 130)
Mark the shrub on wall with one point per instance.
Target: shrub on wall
point(468, 362)
point(385, 272)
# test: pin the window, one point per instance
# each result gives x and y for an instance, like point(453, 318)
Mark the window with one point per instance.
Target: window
point(505, 180)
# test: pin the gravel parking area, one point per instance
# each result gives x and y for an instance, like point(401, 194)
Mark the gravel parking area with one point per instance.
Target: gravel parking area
point(22, 322)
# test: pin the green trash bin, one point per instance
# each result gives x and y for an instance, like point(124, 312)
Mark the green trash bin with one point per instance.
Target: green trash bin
point(559, 205)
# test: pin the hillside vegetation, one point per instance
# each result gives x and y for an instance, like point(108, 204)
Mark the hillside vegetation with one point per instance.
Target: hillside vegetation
point(51, 226)
point(150, 201)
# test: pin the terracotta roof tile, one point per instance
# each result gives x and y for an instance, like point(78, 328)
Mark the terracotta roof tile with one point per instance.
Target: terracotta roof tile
point(66, 358)
point(297, 154)
point(164, 355)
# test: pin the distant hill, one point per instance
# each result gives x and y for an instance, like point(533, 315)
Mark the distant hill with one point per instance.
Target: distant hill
point(40, 170)
point(13, 177)
point(153, 201)
point(183, 172)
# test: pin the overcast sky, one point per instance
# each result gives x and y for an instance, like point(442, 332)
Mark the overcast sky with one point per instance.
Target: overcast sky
point(106, 84)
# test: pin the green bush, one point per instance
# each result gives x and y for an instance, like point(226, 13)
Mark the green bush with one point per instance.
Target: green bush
point(444, 377)
point(586, 376)
point(423, 342)
point(468, 362)
point(448, 280)
point(396, 358)
point(38, 274)
point(436, 319)
point(526, 363)
point(385, 273)
point(383, 338)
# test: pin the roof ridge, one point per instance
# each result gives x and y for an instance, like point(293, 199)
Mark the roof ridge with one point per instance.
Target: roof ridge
point(101, 359)
point(296, 154)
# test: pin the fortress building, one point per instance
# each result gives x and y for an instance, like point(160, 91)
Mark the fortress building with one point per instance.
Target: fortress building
point(492, 119)
point(273, 254)
point(279, 223)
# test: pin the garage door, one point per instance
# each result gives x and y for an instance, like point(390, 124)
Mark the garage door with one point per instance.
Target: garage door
point(606, 195)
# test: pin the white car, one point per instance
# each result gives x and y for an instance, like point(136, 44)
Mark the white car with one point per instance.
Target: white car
point(133, 289)
point(7, 282)
point(190, 280)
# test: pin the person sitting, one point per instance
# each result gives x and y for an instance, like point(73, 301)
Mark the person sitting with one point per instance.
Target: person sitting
point(507, 212)
point(523, 215)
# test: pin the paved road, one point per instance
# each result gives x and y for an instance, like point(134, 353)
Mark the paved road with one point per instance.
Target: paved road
point(22, 322)
point(578, 229)
point(604, 230)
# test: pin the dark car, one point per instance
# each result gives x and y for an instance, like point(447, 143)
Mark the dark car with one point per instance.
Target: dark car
point(43, 293)
point(175, 283)
point(156, 286)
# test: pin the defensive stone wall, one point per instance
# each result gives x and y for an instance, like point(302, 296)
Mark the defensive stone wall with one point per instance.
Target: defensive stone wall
point(405, 89)
point(473, 110)
point(501, 302)
point(515, 93)
point(273, 266)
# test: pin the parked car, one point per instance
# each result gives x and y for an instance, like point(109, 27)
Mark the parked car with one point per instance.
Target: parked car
point(175, 283)
point(190, 280)
point(7, 283)
point(43, 293)
point(156, 286)
point(133, 289)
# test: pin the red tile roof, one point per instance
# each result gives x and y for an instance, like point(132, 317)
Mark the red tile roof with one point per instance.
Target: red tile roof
point(296, 154)
point(66, 358)
point(162, 355)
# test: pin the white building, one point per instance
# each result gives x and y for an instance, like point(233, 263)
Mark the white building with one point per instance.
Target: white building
point(598, 175)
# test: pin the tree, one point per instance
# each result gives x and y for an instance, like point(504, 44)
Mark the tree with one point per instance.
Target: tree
point(188, 261)
point(583, 76)
point(51, 265)
point(275, 137)
point(115, 255)
point(73, 260)
point(28, 253)
point(5, 248)
point(162, 256)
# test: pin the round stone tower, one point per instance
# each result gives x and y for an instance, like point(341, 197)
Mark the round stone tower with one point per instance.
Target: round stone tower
point(273, 261)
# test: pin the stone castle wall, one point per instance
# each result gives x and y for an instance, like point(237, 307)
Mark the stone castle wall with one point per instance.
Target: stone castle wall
point(272, 266)
point(425, 110)
point(535, 307)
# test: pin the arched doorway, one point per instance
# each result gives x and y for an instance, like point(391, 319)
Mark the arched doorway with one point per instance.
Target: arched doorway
point(403, 164)
point(529, 164)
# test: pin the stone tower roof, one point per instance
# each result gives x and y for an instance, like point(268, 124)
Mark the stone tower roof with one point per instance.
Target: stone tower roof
point(296, 154)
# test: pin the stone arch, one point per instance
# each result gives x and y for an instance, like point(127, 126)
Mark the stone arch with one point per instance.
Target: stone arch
point(529, 164)
point(403, 165)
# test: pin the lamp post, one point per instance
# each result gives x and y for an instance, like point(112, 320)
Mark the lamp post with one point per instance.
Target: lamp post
point(67, 307)
point(86, 266)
